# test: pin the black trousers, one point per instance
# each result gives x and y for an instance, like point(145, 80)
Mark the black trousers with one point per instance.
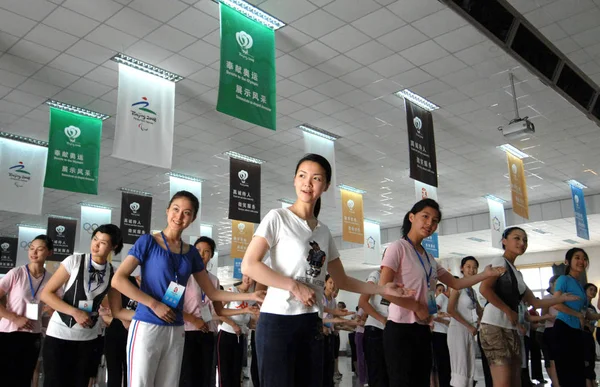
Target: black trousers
point(230, 348)
point(254, 364)
point(66, 362)
point(569, 357)
point(536, 355)
point(352, 348)
point(115, 352)
point(407, 354)
point(196, 367)
point(487, 374)
point(375, 357)
point(525, 380)
point(328, 360)
point(590, 355)
point(18, 357)
point(441, 354)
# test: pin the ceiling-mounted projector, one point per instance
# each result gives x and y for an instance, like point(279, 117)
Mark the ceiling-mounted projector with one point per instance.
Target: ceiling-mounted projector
point(518, 128)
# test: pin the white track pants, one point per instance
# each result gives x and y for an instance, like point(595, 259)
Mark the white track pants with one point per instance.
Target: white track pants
point(461, 345)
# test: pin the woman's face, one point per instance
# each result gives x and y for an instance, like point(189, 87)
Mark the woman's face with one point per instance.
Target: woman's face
point(180, 214)
point(470, 268)
point(205, 252)
point(578, 262)
point(38, 252)
point(101, 245)
point(424, 222)
point(310, 181)
point(515, 242)
point(330, 285)
point(591, 292)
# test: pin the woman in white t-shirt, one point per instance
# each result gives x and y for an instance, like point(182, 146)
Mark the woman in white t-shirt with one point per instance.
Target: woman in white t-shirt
point(75, 292)
point(289, 334)
point(20, 319)
point(498, 333)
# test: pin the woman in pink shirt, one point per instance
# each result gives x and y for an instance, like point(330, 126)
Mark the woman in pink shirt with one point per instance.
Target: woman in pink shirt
point(20, 324)
point(407, 337)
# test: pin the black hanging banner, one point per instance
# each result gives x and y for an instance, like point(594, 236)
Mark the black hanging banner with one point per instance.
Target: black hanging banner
point(244, 191)
point(136, 214)
point(8, 253)
point(421, 144)
point(62, 232)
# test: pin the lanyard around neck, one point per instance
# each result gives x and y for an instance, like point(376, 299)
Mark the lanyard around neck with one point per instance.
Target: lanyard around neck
point(33, 293)
point(171, 258)
point(427, 275)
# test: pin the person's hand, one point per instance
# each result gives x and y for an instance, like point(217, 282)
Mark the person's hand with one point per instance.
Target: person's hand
point(326, 331)
point(344, 312)
point(513, 317)
point(237, 329)
point(83, 318)
point(473, 330)
point(566, 297)
point(522, 329)
point(397, 290)
point(201, 325)
point(382, 320)
point(443, 315)
point(22, 322)
point(163, 312)
point(259, 295)
point(303, 293)
point(547, 317)
point(252, 309)
point(361, 323)
point(422, 312)
point(490, 271)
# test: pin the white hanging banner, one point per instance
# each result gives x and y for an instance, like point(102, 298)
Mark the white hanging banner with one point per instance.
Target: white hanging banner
point(497, 222)
point(145, 118)
point(426, 191)
point(325, 148)
point(372, 243)
point(26, 235)
point(91, 218)
point(177, 184)
point(22, 171)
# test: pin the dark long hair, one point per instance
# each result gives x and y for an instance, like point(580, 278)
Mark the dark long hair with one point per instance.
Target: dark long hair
point(509, 231)
point(322, 161)
point(569, 257)
point(46, 239)
point(418, 207)
point(467, 259)
point(191, 197)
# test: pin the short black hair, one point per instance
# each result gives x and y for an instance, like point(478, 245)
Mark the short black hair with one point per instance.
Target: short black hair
point(589, 285)
point(210, 242)
point(116, 239)
point(442, 285)
point(46, 239)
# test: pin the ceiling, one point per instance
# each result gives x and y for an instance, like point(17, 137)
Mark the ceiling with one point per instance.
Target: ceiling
point(338, 64)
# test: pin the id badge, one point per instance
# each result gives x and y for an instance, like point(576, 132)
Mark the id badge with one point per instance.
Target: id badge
point(431, 304)
point(86, 305)
point(384, 302)
point(205, 313)
point(32, 311)
point(173, 294)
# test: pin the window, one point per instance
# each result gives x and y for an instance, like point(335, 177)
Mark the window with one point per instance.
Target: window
point(537, 279)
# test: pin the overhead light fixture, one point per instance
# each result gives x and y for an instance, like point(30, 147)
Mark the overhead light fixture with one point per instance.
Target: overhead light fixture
point(146, 67)
point(570, 241)
point(539, 231)
point(27, 225)
point(76, 109)
point(27, 140)
point(318, 132)
point(494, 198)
point(575, 183)
point(417, 100)
point(98, 206)
point(185, 177)
point(239, 156)
point(513, 151)
point(254, 13)
point(134, 191)
point(475, 239)
point(351, 189)
point(60, 217)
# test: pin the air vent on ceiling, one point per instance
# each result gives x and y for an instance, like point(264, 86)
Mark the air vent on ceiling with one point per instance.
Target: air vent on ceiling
point(575, 86)
point(534, 51)
point(474, 239)
point(570, 241)
point(490, 14)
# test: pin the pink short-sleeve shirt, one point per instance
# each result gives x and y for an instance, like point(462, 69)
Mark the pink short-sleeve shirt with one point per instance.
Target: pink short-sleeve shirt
point(401, 257)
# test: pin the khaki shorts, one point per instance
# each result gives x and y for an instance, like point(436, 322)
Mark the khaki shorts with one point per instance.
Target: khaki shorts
point(502, 346)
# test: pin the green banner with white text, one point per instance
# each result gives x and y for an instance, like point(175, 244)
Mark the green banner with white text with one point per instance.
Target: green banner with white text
point(247, 80)
point(73, 152)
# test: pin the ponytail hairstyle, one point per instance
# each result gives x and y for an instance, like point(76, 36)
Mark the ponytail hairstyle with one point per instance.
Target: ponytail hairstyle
point(509, 231)
point(569, 257)
point(418, 207)
point(47, 241)
point(114, 232)
point(322, 161)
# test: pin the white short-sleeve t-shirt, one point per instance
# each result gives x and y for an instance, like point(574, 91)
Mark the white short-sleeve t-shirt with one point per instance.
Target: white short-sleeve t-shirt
point(493, 315)
point(442, 303)
point(378, 303)
point(241, 320)
point(299, 253)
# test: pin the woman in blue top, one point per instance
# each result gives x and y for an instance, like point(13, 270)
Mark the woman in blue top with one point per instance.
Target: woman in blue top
point(156, 336)
point(568, 334)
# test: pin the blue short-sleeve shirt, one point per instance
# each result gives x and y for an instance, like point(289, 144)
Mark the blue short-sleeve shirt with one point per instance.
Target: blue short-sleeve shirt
point(568, 284)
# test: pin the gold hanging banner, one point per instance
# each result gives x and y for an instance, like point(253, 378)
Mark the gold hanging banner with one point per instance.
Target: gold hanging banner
point(241, 235)
point(518, 186)
point(352, 217)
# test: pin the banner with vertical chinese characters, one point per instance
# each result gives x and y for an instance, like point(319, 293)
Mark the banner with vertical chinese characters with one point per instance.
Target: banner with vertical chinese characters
point(244, 191)
point(581, 221)
point(91, 218)
point(73, 152)
point(421, 144)
point(145, 118)
point(177, 184)
point(518, 186)
point(247, 79)
point(62, 232)
point(372, 245)
point(352, 217)
point(497, 222)
point(8, 253)
point(426, 191)
point(26, 235)
point(241, 235)
point(22, 169)
point(136, 214)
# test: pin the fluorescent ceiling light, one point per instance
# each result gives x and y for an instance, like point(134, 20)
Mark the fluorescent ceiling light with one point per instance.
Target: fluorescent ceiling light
point(146, 67)
point(134, 191)
point(27, 140)
point(239, 156)
point(351, 189)
point(575, 183)
point(90, 205)
point(417, 100)
point(254, 13)
point(475, 239)
point(539, 231)
point(570, 241)
point(76, 109)
point(60, 217)
point(185, 177)
point(35, 226)
point(318, 132)
point(514, 151)
point(494, 198)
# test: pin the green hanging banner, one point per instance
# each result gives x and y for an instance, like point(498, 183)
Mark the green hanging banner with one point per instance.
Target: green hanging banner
point(247, 80)
point(73, 152)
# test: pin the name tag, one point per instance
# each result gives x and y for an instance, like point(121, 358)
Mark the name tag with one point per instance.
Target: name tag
point(173, 294)
point(86, 305)
point(384, 302)
point(205, 313)
point(32, 311)
point(431, 304)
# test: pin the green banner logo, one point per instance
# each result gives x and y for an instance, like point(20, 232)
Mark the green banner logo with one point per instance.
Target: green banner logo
point(247, 79)
point(73, 152)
